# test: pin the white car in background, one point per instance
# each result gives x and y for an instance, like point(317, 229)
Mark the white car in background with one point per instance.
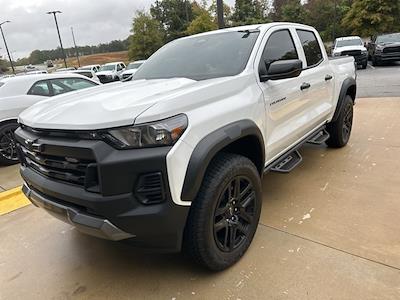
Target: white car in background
point(110, 72)
point(87, 73)
point(19, 93)
point(94, 68)
point(131, 70)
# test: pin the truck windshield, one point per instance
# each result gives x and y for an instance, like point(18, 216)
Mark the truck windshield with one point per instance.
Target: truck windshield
point(352, 42)
point(388, 38)
point(107, 68)
point(201, 57)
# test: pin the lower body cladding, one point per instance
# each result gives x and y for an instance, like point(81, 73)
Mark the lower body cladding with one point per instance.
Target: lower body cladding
point(104, 192)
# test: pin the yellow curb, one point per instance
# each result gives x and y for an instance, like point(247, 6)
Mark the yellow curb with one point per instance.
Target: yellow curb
point(12, 200)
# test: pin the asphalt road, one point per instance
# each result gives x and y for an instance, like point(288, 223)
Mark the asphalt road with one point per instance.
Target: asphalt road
point(382, 81)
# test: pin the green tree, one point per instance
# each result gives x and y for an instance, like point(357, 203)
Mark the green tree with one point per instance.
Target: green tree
point(174, 15)
point(294, 11)
point(321, 15)
point(147, 36)
point(3, 66)
point(202, 23)
point(369, 17)
point(250, 12)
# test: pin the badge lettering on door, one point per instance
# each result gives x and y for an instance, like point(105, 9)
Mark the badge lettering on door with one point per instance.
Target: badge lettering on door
point(277, 101)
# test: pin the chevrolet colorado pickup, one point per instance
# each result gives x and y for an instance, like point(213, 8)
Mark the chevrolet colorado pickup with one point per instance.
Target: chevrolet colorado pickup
point(173, 160)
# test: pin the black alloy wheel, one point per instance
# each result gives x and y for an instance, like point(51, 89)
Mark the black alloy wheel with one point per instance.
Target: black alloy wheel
point(234, 214)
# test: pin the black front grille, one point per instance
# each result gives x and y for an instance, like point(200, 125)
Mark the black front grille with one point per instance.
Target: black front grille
point(67, 169)
point(150, 188)
point(352, 53)
point(391, 49)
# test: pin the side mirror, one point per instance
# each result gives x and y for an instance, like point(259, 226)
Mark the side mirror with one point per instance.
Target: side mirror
point(282, 69)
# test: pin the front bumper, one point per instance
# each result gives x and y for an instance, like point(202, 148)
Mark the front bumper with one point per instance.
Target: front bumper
point(395, 56)
point(85, 223)
point(117, 207)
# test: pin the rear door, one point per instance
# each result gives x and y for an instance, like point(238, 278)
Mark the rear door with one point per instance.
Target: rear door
point(317, 81)
point(283, 98)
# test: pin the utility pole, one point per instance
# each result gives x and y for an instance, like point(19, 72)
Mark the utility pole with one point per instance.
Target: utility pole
point(5, 44)
point(76, 48)
point(220, 14)
point(334, 20)
point(58, 31)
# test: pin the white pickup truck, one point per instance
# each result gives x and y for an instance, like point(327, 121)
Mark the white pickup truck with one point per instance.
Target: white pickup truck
point(173, 160)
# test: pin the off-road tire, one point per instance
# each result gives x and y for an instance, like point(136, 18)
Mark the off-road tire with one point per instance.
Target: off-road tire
point(340, 130)
point(202, 241)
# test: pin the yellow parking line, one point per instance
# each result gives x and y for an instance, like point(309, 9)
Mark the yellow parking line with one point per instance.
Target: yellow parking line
point(12, 200)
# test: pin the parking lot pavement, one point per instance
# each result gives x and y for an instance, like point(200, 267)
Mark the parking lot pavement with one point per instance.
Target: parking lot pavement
point(328, 230)
point(381, 81)
point(9, 177)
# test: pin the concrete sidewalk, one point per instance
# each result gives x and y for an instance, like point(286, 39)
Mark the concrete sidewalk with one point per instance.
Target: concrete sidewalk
point(328, 230)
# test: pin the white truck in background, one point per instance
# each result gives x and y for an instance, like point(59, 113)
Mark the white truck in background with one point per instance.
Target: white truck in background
point(173, 159)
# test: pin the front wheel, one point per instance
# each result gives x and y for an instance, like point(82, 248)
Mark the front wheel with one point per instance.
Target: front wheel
point(224, 217)
point(340, 130)
point(8, 148)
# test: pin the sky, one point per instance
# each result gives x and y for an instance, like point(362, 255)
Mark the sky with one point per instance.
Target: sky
point(94, 22)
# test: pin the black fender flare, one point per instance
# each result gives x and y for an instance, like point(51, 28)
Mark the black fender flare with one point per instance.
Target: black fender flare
point(347, 84)
point(209, 146)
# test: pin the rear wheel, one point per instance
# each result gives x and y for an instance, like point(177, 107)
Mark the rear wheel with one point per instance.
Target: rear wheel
point(224, 217)
point(8, 148)
point(340, 130)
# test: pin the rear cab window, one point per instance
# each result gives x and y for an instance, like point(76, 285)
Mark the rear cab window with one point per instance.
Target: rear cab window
point(40, 88)
point(311, 47)
point(65, 85)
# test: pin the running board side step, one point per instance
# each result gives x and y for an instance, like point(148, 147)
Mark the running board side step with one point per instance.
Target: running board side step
point(287, 163)
point(319, 138)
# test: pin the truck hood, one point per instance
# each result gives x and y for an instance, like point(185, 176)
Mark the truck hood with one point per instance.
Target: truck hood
point(104, 106)
point(388, 45)
point(349, 48)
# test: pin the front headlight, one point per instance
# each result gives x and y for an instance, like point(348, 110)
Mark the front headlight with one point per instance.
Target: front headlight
point(335, 54)
point(161, 133)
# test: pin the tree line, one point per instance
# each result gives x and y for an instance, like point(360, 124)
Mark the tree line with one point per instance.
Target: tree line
point(167, 20)
point(40, 56)
point(170, 19)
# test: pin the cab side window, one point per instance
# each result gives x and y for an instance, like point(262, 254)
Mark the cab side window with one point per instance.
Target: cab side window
point(280, 46)
point(40, 88)
point(311, 47)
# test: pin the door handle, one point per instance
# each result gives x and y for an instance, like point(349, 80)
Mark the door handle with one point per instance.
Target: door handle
point(328, 77)
point(305, 86)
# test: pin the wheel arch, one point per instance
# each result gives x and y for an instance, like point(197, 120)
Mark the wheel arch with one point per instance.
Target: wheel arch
point(8, 121)
point(349, 88)
point(242, 137)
